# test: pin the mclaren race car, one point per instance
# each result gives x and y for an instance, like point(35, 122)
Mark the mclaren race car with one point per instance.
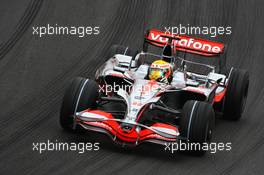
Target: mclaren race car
point(161, 98)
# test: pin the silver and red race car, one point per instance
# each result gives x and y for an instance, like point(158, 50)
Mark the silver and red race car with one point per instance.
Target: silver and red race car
point(125, 104)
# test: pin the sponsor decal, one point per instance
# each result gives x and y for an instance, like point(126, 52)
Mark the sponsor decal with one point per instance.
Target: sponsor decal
point(186, 43)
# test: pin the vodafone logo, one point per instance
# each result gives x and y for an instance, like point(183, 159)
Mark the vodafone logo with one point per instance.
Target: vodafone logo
point(188, 44)
point(197, 45)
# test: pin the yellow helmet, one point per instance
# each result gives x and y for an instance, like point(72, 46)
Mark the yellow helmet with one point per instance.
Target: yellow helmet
point(161, 71)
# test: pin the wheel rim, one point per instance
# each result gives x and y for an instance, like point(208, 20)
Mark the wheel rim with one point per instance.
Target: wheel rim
point(208, 132)
point(245, 93)
point(71, 121)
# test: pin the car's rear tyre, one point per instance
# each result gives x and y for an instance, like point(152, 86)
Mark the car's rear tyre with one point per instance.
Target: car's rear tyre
point(196, 125)
point(236, 94)
point(119, 49)
point(80, 95)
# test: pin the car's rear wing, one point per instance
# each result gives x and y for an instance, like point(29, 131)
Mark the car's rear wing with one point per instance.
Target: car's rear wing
point(184, 43)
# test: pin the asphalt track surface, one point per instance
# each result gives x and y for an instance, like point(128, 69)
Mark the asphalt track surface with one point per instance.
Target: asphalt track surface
point(35, 71)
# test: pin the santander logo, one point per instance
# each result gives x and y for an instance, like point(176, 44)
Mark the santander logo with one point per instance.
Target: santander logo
point(188, 44)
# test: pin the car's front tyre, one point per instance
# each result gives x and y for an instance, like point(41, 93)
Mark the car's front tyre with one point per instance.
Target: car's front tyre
point(196, 125)
point(236, 94)
point(80, 95)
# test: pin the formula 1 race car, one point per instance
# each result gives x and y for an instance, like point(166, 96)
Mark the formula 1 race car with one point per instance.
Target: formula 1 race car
point(145, 97)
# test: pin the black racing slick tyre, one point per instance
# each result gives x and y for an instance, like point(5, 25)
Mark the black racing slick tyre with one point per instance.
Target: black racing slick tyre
point(196, 125)
point(119, 49)
point(80, 95)
point(236, 94)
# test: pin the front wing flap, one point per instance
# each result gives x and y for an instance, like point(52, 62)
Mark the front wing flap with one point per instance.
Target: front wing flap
point(104, 122)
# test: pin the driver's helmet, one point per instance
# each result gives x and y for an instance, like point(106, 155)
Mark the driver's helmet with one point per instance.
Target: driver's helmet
point(160, 71)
